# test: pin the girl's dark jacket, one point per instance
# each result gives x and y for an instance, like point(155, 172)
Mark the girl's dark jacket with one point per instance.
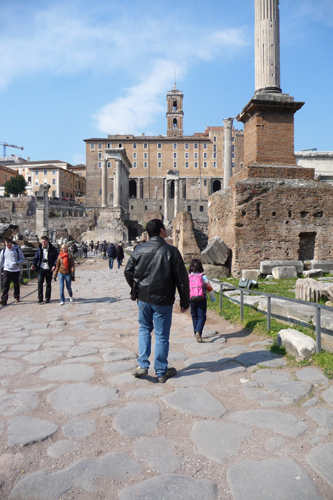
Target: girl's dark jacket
point(160, 275)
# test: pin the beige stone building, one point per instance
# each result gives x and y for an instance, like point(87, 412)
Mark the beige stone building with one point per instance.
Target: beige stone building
point(169, 174)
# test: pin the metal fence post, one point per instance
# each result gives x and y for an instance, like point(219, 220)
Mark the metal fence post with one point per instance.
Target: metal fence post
point(318, 329)
point(221, 294)
point(268, 313)
point(242, 305)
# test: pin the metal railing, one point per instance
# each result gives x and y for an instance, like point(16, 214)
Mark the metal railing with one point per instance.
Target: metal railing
point(269, 296)
point(24, 268)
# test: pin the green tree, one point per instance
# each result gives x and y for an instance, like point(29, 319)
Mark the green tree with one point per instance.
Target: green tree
point(16, 185)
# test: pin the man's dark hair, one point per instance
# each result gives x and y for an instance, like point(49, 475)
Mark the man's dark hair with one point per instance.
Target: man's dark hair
point(154, 227)
point(196, 266)
point(44, 238)
point(8, 240)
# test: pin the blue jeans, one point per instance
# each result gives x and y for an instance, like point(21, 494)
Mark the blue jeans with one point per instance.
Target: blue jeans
point(111, 259)
point(158, 318)
point(119, 262)
point(198, 313)
point(62, 279)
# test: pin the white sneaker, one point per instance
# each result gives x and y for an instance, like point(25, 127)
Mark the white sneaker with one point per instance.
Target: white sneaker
point(71, 299)
point(61, 303)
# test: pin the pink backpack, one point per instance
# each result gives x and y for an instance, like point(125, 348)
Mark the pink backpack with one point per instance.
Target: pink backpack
point(197, 287)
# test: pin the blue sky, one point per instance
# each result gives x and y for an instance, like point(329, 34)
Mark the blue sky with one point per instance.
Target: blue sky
point(76, 70)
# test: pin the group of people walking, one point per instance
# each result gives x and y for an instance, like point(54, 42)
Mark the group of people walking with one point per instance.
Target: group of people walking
point(109, 251)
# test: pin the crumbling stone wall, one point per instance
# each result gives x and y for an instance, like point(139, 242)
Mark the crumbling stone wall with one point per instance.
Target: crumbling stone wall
point(273, 219)
point(184, 238)
point(24, 205)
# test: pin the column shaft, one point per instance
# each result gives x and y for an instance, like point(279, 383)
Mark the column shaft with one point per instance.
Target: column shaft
point(104, 183)
point(176, 205)
point(166, 215)
point(227, 170)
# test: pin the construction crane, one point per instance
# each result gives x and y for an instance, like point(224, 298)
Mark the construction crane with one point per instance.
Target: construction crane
point(6, 145)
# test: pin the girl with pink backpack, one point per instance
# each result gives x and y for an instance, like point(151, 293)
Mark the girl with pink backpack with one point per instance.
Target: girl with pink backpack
point(199, 284)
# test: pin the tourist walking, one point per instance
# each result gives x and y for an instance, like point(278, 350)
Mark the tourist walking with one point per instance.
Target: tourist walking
point(104, 250)
point(10, 259)
point(96, 247)
point(112, 254)
point(154, 271)
point(198, 283)
point(44, 262)
point(65, 271)
point(92, 245)
point(120, 254)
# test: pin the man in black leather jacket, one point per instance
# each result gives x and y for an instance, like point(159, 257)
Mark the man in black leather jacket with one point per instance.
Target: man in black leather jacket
point(44, 262)
point(158, 268)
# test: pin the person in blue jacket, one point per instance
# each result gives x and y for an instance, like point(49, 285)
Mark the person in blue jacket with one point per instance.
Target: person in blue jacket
point(44, 262)
point(10, 259)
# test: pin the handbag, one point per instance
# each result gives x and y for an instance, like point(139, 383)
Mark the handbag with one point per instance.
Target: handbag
point(72, 277)
point(135, 286)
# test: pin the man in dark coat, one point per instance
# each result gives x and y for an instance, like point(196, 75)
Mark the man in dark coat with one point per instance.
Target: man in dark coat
point(44, 262)
point(112, 254)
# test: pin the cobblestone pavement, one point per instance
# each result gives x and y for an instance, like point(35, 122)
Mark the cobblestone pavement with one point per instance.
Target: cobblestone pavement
point(236, 423)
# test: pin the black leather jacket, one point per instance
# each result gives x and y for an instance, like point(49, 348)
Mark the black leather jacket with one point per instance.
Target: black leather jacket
point(52, 256)
point(164, 272)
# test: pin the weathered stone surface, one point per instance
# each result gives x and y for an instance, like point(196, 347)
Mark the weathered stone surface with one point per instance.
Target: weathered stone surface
point(75, 399)
point(78, 351)
point(61, 447)
point(79, 428)
point(283, 478)
point(296, 343)
point(284, 273)
point(145, 393)
point(312, 273)
point(137, 419)
point(42, 357)
point(28, 430)
point(321, 460)
point(274, 443)
point(251, 274)
point(216, 252)
point(256, 357)
point(191, 378)
point(74, 372)
point(14, 404)
point(171, 487)
point(218, 440)
point(310, 402)
point(266, 266)
point(9, 367)
point(195, 401)
point(118, 355)
point(312, 375)
point(159, 454)
point(323, 417)
point(118, 367)
point(328, 395)
point(281, 423)
point(311, 290)
point(324, 265)
point(82, 475)
point(216, 273)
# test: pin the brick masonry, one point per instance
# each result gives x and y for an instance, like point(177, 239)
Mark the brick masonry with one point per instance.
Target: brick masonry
point(184, 238)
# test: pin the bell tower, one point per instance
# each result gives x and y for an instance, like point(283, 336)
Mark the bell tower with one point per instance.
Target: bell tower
point(175, 112)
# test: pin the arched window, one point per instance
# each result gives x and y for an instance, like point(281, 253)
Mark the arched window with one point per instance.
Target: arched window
point(216, 186)
point(175, 123)
point(132, 189)
point(172, 189)
point(174, 107)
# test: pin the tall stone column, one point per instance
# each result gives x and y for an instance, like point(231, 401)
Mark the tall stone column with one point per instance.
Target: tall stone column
point(104, 183)
point(176, 205)
point(117, 184)
point(166, 215)
point(227, 167)
point(267, 46)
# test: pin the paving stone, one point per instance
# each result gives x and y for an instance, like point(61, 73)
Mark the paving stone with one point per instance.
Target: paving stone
point(158, 453)
point(76, 314)
point(119, 326)
point(2, 426)
point(83, 359)
point(36, 326)
point(321, 460)
point(75, 399)
point(197, 349)
point(235, 350)
point(61, 448)
point(278, 422)
point(229, 370)
point(176, 356)
point(261, 342)
point(322, 432)
point(328, 395)
point(218, 440)
point(17, 333)
point(14, 355)
point(323, 417)
point(137, 419)
point(119, 366)
point(79, 428)
point(274, 443)
point(43, 485)
point(25, 347)
point(191, 378)
point(98, 336)
point(312, 375)
point(118, 355)
point(127, 378)
point(35, 369)
point(10, 341)
point(145, 393)
point(36, 389)
point(42, 357)
point(77, 351)
point(310, 402)
point(59, 343)
point(74, 372)
point(195, 401)
point(256, 357)
point(97, 345)
point(28, 430)
point(171, 487)
point(275, 479)
point(14, 404)
point(9, 367)
point(206, 361)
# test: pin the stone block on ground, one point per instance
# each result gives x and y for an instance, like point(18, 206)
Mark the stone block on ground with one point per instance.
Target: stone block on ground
point(266, 266)
point(312, 290)
point(250, 274)
point(325, 265)
point(216, 272)
point(284, 272)
point(312, 273)
point(216, 252)
point(296, 343)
